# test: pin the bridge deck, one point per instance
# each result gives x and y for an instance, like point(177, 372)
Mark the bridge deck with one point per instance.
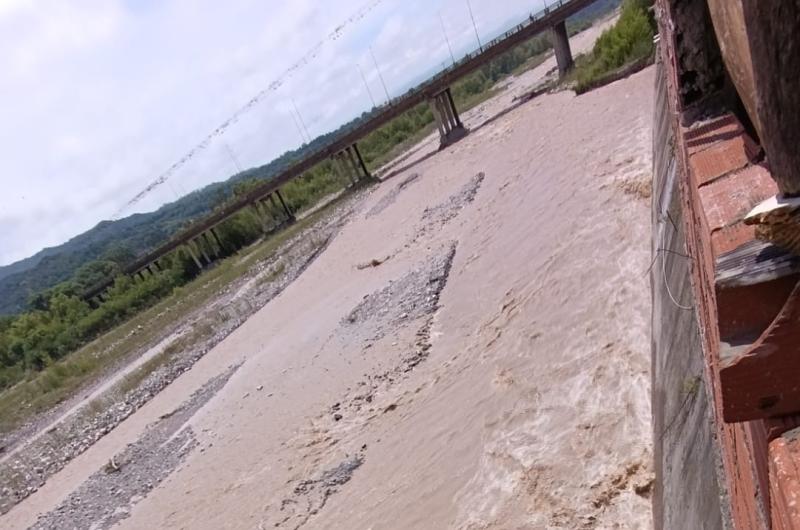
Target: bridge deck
point(530, 27)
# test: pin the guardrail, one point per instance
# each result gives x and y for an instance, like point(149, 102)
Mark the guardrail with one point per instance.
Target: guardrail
point(531, 26)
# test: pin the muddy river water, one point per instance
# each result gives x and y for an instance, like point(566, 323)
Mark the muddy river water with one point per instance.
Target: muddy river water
point(474, 353)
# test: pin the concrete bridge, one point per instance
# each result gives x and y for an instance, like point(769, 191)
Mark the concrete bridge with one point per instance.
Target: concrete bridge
point(343, 151)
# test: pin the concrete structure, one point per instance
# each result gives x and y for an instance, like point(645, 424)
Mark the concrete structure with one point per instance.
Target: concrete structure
point(211, 249)
point(190, 250)
point(216, 238)
point(726, 319)
point(560, 39)
point(349, 164)
point(199, 247)
point(446, 117)
point(288, 211)
point(343, 148)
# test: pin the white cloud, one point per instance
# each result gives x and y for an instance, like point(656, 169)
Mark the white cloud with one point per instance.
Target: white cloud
point(99, 97)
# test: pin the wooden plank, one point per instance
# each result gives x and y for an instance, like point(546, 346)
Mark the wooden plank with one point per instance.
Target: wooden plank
point(760, 45)
point(753, 263)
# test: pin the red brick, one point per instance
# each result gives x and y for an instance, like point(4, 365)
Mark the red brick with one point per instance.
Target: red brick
point(728, 200)
point(724, 157)
point(731, 237)
point(744, 481)
point(709, 134)
point(784, 471)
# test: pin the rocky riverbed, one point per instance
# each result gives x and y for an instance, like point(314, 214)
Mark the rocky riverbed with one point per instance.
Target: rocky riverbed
point(28, 469)
point(470, 351)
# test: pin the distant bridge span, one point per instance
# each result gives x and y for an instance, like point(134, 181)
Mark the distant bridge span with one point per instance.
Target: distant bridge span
point(344, 150)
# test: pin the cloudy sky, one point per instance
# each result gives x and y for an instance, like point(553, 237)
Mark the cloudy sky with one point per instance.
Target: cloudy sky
point(99, 98)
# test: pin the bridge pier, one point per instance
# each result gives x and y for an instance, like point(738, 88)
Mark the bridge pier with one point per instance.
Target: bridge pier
point(202, 250)
point(274, 207)
point(340, 168)
point(194, 256)
point(446, 116)
point(560, 37)
point(358, 162)
point(348, 162)
point(262, 213)
point(217, 239)
point(211, 249)
point(289, 214)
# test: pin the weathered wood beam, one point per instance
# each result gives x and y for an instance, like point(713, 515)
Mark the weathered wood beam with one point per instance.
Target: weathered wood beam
point(760, 43)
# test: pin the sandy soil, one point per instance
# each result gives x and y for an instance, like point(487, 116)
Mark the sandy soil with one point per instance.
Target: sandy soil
point(398, 385)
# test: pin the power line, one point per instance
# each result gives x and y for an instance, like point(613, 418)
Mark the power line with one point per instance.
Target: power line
point(379, 74)
point(311, 54)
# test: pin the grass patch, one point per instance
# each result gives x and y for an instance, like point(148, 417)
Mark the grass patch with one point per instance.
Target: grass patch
point(145, 319)
point(473, 100)
point(400, 148)
point(530, 64)
point(463, 103)
point(273, 275)
point(628, 43)
point(132, 380)
point(691, 385)
point(63, 379)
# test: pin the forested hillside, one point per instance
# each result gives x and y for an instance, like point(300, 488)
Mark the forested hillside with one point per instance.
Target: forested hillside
point(132, 235)
point(121, 240)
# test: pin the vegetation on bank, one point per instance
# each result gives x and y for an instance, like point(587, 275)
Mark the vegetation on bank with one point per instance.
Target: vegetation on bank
point(140, 232)
point(34, 344)
point(59, 322)
point(39, 391)
point(629, 41)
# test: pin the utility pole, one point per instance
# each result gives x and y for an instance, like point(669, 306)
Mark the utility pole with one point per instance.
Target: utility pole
point(300, 117)
point(173, 190)
point(360, 71)
point(444, 31)
point(474, 26)
point(233, 157)
point(379, 74)
point(297, 126)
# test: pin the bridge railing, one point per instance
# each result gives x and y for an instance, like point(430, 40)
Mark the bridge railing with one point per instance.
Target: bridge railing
point(432, 81)
point(378, 115)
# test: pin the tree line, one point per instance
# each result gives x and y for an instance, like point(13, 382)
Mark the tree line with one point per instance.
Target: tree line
point(58, 320)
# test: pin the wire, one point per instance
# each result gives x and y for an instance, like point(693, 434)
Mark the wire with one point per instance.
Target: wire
point(655, 257)
point(669, 291)
point(309, 56)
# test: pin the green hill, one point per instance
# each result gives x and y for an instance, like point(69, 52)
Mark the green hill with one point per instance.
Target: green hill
point(138, 233)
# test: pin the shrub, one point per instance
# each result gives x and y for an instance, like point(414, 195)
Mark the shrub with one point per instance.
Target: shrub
point(628, 41)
